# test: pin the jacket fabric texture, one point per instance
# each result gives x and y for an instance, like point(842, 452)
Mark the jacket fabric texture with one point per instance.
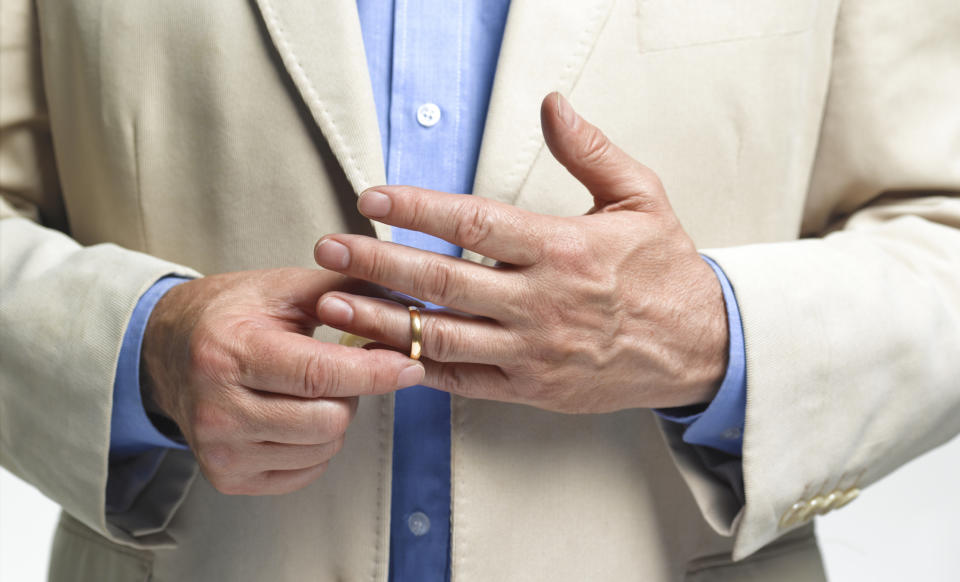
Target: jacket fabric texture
point(811, 148)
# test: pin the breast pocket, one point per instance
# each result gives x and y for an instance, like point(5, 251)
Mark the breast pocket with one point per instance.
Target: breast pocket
point(672, 24)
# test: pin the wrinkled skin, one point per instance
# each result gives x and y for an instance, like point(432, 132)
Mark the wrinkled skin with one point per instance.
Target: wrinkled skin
point(263, 405)
point(596, 313)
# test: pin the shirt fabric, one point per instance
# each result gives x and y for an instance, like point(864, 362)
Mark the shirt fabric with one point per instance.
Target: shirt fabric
point(431, 65)
point(131, 432)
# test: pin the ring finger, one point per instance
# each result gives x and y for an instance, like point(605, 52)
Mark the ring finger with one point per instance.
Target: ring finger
point(446, 337)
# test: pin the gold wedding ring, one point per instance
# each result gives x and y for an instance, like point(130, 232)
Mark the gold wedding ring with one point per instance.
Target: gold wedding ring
point(416, 333)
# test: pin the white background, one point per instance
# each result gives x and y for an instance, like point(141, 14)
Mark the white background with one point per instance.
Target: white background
point(906, 527)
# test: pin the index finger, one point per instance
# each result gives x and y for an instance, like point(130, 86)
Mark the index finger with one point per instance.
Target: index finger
point(289, 363)
point(488, 227)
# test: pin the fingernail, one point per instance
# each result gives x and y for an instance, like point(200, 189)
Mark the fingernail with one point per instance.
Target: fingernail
point(374, 204)
point(329, 253)
point(410, 376)
point(336, 311)
point(565, 111)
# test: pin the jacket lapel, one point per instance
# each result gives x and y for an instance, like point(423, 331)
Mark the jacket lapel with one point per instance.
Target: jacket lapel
point(545, 46)
point(321, 48)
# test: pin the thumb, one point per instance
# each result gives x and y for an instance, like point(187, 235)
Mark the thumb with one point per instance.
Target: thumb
point(617, 181)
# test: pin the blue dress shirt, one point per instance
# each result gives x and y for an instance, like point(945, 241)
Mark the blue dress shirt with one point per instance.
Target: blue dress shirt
point(431, 66)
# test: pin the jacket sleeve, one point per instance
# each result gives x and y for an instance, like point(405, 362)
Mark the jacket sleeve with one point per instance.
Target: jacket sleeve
point(852, 333)
point(63, 311)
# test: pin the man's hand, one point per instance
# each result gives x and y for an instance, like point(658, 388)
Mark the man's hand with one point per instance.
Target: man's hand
point(602, 312)
point(263, 405)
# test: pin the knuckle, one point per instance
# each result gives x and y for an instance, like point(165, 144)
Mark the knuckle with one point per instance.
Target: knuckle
point(382, 376)
point(374, 320)
point(220, 351)
point(442, 339)
point(570, 249)
point(651, 179)
point(239, 354)
point(260, 421)
point(474, 224)
point(377, 267)
point(549, 382)
point(555, 355)
point(648, 179)
point(436, 281)
point(596, 146)
point(419, 213)
point(205, 355)
point(317, 376)
point(453, 379)
point(535, 235)
point(210, 423)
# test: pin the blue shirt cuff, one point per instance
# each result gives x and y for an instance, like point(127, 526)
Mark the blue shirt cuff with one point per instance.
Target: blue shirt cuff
point(720, 423)
point(131, 431)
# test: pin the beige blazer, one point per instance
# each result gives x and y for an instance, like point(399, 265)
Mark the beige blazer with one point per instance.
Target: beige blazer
point(200, 137)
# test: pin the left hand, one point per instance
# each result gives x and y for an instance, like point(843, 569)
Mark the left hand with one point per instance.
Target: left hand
point(595, 313)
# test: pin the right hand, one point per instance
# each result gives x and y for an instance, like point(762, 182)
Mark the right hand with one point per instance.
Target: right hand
point(263, 405)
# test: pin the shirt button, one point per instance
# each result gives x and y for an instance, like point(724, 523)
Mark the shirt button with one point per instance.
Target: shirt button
point(428, 114)
point(419, 523)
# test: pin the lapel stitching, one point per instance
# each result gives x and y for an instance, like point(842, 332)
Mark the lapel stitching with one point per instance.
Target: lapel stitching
point(303, 82)
point(572, 70)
